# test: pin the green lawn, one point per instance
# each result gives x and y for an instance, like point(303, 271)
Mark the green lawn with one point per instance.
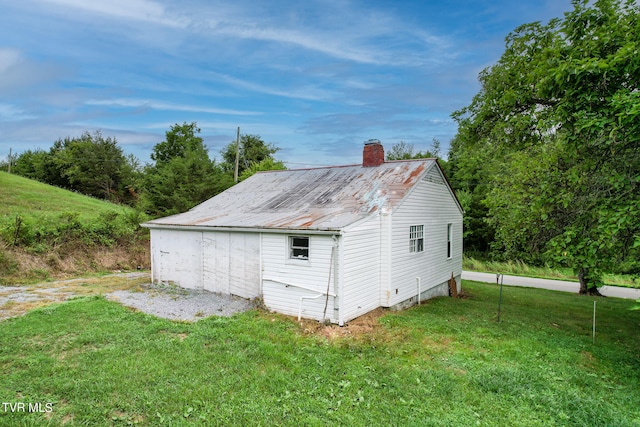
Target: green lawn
point(445, 363)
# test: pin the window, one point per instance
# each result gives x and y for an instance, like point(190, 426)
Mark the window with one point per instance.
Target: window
point(416, 238)
point(449, 239)
point(298, 247)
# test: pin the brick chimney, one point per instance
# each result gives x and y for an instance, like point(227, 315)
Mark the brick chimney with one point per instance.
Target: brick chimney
point(373, 153)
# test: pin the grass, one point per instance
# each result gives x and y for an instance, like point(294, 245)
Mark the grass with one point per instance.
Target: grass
point(49, 232)
point(519, 268)
point(447, 362)
point(37, 201)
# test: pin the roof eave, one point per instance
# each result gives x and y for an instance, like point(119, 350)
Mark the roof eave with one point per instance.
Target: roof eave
point(288, 230)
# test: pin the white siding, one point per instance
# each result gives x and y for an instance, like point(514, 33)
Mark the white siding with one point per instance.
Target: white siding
point(285, 281)
point(385, 259)
point(430, 204)
point(362, 268)
point(176, 257)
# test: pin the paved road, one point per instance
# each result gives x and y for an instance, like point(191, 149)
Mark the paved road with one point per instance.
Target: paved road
point(555, 285)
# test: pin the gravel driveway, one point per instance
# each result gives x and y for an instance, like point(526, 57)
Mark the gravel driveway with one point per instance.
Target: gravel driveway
point(169, 302)
point(175, 303)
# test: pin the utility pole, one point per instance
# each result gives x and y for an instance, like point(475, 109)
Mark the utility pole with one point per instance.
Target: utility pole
point(235, 175)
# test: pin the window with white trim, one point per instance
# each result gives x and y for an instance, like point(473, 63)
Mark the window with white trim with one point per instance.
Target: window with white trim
point(449, 240)
point(299, 247)
point(416, 238)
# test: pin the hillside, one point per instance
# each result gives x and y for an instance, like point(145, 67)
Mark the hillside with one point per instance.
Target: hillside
point(33, 199)
point(48, 232)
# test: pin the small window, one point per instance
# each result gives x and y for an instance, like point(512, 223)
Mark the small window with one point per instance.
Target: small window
point(298, 247)
point(449, 239)
point(416, 238)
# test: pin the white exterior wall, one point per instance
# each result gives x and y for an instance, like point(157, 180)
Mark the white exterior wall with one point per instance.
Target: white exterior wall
point(285, 281)
point(362, 268)
point(432, 205)
point(218, 261)
point(176, 257)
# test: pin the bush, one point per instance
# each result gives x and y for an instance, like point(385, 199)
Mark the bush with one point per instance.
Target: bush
point(107, 229)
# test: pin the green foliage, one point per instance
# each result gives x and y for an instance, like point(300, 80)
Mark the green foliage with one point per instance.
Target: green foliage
point(100, 363)
point(267, 164)
point(405, 151)
point(106, 229)
point(90, 164)
point(182, 175)
point(39, 217)
point(181, 141)
point(468, 171)
point(252, 150)
point(553, 137)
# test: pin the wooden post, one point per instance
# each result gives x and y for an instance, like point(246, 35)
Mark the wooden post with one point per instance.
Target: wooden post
point(594, 322)
point(500, 301)
point(235, 175)
point(453, 286)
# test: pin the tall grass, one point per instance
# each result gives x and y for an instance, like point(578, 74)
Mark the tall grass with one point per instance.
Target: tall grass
point(519, 268)
point(447, 362)
point(46, 230)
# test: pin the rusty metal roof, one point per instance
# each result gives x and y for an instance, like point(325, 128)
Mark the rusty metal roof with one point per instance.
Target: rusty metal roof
point(306, 199)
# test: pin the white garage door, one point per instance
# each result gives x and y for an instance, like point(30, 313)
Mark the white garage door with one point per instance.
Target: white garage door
point(231, 263)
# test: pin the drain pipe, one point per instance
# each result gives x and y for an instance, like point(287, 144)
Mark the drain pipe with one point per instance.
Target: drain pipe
point(419, 290)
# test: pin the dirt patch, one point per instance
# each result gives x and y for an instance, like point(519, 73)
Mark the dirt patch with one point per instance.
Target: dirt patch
point(17, 300)
point(67, 261)
point(364, 325)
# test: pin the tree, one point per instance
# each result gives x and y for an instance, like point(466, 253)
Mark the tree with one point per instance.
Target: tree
point(33, 164)
point(405, 151)
point(182, 175)
point(94, 165)
point(557, 123)
point(252, 150)
point(267, 164)
point(89, 164)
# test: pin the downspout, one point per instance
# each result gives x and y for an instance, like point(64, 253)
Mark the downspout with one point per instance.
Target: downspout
point(419, 292)
point(153, 261)
point(331, 261)
point(339, 283)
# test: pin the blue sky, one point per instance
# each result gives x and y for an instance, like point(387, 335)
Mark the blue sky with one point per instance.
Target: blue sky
point(315, 78)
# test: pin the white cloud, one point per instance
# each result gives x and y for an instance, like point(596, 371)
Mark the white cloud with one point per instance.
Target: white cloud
point(307, 92)
point(10, 112)
point(8, 59)
point(19, 73)
point(140, 10)
point(159, 105)
point(315, 41)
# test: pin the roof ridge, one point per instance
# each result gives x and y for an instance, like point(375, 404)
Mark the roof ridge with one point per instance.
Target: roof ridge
point(349, 166)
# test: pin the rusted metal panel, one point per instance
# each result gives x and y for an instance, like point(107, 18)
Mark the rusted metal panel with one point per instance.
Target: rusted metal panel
point(306, 199)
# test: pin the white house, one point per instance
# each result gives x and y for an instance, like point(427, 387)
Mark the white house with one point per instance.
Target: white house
point(328, 243)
